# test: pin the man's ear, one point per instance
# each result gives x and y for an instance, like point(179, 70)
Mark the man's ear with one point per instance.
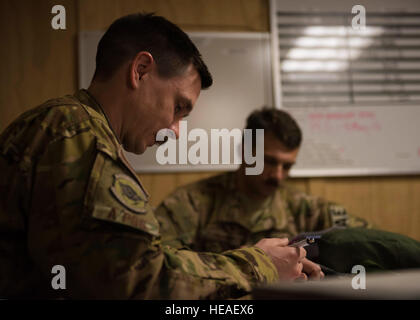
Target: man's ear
point(142, 63)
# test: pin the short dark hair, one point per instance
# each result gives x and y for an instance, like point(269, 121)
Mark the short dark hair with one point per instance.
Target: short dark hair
point(279, 122)
point(171, 47)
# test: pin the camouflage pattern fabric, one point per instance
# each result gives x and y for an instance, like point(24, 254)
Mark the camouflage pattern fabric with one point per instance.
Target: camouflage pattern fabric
point(212, 215)
point(68, 197)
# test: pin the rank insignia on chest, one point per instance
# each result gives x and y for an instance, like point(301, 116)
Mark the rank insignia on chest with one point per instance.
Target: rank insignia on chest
point(128, 192)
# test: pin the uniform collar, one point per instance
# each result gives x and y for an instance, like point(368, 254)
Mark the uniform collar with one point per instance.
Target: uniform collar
point(88, 99)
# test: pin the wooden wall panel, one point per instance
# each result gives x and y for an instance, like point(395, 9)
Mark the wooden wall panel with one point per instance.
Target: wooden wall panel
point(301, 184)
point(223, 15)
point(390, 203)
point(36, 62)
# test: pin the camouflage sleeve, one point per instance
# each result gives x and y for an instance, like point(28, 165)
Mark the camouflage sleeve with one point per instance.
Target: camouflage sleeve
point(89, 215)
point(178, 218)
point(313, 213)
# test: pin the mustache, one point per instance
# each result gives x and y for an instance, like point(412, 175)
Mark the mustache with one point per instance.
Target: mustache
point(272, 182)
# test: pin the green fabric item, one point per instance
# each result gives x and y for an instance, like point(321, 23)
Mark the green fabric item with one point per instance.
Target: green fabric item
point(376, 250)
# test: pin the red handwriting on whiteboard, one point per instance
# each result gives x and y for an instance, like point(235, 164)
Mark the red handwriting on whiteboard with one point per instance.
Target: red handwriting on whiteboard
point(366, 114)
point(340, 115)
point(355, 126)
point(362, 121)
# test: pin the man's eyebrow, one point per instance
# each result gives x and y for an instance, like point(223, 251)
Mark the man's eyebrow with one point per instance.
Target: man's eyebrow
point(268, 157)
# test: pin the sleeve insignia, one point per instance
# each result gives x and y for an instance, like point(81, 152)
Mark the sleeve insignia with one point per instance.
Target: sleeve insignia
point(128, 193)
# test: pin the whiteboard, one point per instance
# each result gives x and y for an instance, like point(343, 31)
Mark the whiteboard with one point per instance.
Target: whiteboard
point(240, 64)
point(363, 138)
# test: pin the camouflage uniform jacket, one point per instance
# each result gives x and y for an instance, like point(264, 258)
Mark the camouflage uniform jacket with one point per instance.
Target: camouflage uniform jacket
point(211, 215)
point(68, 197)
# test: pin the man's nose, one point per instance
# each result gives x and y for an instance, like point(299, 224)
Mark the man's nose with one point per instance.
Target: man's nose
point(279, 173)
point(175, 128)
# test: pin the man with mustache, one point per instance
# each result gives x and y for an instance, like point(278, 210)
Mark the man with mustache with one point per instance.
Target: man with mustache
point(233, 209)
point(69, 198)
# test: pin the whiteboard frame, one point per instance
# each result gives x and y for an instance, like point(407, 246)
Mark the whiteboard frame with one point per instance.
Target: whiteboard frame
point(275, 58)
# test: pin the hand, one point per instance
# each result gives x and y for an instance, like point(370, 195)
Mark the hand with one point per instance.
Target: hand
point(288, 260)
point(312, 270)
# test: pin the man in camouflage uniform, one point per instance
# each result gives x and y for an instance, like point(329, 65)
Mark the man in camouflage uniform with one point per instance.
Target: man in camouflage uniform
point(69, 197)
point(234, 209)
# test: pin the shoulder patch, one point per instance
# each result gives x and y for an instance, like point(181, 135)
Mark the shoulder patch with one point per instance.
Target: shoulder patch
point(129, 193)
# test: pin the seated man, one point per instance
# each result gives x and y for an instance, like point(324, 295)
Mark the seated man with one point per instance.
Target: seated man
point(69, 198)
point(234, 209)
